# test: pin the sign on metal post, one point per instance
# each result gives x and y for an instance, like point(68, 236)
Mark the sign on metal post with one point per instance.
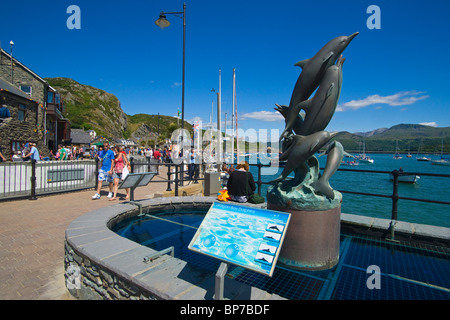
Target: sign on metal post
point(134, 180)
point(245, 236)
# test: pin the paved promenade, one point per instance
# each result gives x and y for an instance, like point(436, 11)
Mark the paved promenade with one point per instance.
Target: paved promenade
point(32, 240)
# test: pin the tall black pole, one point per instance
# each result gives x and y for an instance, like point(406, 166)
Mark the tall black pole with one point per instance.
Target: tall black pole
point(184, 64)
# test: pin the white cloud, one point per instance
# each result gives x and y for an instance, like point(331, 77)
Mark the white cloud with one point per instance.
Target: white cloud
point(176, 84)
point(430, 124)
point(269, 116)
point(399, 99)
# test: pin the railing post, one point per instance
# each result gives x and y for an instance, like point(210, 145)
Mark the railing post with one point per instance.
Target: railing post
point(33, 180)
point(259, 182)
point(395, 195)
point(176, 180)
point(168, 178)
point(132, 171)
point(96, 172)
point(182, 172)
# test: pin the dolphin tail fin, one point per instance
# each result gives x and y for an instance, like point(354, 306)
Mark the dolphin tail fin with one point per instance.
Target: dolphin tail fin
point(282, 109)
point(302, 63)
point(323, 187)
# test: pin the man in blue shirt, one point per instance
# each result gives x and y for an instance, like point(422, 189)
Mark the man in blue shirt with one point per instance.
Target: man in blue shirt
point(105, 173)
point(34, 152)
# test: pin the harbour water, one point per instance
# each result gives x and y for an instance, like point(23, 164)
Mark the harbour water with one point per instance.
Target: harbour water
point(427, 187)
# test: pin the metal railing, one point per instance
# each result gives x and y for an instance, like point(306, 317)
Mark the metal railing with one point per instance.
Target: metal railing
point(394, 196)
point(30, 179)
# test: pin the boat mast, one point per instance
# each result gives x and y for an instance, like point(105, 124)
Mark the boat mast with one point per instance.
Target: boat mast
point(232, 118)
point(219, 130)
point(236, 117)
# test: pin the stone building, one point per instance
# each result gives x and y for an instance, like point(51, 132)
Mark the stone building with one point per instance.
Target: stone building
point(21, 127)
point(49, 120)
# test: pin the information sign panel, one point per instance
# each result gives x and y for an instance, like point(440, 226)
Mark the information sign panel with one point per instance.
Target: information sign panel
point(242, 235)
point(134, 180)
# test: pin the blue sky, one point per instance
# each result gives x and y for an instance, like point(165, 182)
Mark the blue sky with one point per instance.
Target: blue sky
point(396, 74)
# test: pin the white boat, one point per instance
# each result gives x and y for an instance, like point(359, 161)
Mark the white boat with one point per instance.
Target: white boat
point(397, 156)
point(406, 178)
point(442, 161)
point(421, 158)
point(363, 158)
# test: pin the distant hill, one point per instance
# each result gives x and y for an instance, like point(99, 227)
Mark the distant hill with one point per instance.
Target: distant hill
point(89, 108)
point(409, 137)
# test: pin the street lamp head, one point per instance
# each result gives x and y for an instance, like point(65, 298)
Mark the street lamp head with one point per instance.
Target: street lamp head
point(162, 22)
point(11, 43)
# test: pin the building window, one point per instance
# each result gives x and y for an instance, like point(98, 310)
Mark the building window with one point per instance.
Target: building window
point(21, 113)
point(50, 96)
point(27, 89)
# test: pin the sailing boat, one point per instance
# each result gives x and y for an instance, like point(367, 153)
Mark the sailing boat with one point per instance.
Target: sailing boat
point(363, 158)
point(421, 158)
point(409, 152)
point(442, 161)
point(397, 156)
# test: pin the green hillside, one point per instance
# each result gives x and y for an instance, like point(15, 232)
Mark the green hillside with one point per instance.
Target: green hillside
point(409, 137)
point(90, 108)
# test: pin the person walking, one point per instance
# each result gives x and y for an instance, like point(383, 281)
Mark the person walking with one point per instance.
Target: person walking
point(119, 162)
point(105, 172)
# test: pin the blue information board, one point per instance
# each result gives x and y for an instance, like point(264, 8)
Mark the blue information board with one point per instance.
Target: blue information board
point(245, 236)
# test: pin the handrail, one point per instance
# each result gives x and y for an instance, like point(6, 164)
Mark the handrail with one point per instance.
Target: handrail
point(177, 178)
point(394, 196)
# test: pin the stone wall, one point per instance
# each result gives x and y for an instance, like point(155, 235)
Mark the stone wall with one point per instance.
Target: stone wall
point(87, 281)
point(22, 76)
point(13, 129)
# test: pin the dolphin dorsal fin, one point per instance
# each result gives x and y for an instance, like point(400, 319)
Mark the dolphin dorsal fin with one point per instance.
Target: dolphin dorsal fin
point(302, 63)
point(328, 57)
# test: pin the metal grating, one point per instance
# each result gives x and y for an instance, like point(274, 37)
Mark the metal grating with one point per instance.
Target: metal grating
point(407, 271)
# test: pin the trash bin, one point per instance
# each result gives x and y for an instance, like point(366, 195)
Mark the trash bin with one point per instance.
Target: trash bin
point(212, 183)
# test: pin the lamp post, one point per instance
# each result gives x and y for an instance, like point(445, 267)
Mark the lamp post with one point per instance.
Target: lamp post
point(162, 22)
point(11, 43)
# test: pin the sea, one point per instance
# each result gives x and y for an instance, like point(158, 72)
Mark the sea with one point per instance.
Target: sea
point(427, 187)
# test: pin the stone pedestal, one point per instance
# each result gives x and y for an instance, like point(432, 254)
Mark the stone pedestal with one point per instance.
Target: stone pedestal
point(312, 239)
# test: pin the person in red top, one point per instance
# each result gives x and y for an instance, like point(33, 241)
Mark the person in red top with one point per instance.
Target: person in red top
point(117, 166)
point(157, 155)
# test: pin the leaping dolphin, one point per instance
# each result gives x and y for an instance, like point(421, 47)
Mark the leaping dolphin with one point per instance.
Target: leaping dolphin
point(335, 154)
point(313, 70)
point(301, 149)
point(320, 109)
